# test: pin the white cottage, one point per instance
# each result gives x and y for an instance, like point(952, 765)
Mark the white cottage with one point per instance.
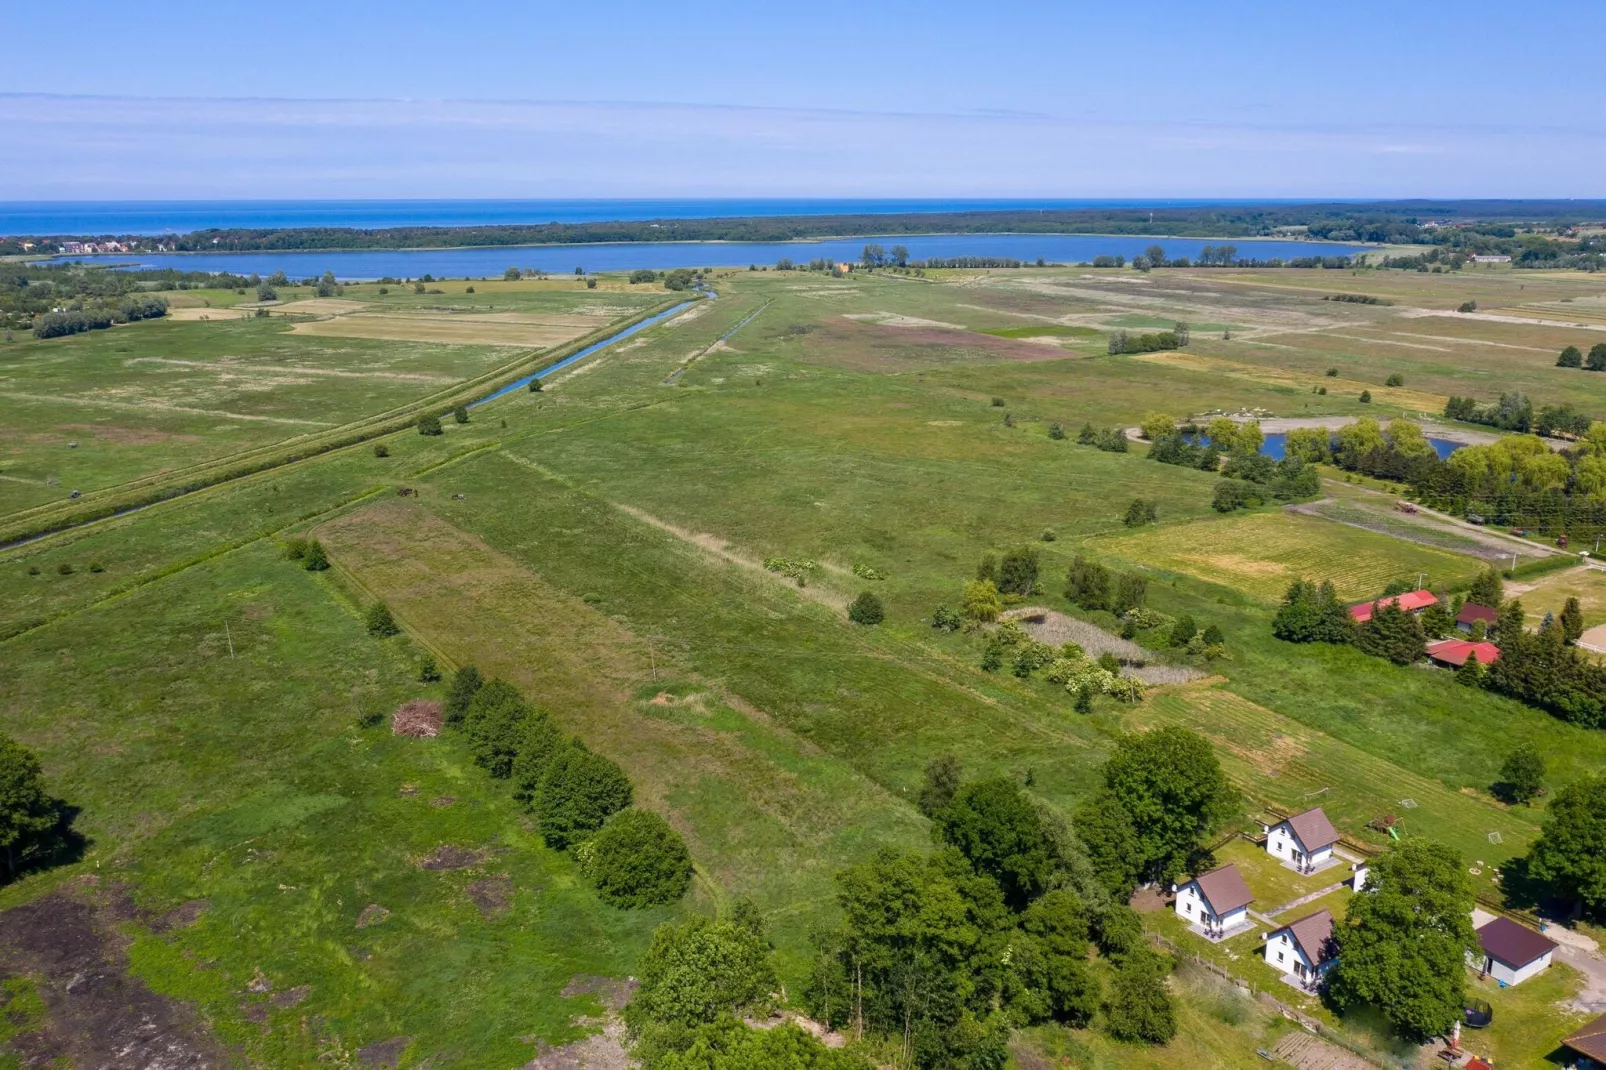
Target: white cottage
point(1304, 841)
point(1215, 904)
point(1513, 953)
point(1303, 950)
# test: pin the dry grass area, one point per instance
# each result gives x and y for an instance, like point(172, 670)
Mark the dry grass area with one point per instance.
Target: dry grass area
point(449, 329)
point(1262, 553)
point(195, 314)
point(1403, 397)
point(1549, 593)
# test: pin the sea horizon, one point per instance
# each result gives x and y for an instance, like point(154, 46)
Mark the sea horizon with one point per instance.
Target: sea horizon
point(155, 217)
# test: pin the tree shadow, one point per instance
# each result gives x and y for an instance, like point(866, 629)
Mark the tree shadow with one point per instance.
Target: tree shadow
point(60, 845)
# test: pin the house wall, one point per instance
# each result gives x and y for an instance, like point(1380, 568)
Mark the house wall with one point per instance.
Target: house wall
point(1282, 953)
point(1505, 974)
point(1191, 906)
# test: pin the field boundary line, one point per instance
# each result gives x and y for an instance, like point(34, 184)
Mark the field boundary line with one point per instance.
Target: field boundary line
point(167, 572)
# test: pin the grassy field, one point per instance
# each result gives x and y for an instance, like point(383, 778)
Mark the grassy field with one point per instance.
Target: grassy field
point(601, 545)
point(1261, 553)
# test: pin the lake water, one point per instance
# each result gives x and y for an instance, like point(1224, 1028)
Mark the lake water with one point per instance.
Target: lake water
point(181, 217)
point(626, 256)
point(1277, 443)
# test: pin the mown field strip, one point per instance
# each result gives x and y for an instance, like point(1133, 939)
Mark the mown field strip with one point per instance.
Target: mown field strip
point(1280, 760)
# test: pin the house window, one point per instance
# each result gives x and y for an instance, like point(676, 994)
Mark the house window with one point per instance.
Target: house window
point(1187, 908)
point(1281, 957)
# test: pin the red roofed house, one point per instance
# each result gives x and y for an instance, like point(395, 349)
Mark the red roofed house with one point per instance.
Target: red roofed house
point(1410, 601)
point(1453, 653)
point(1215, 904)
point(1472, 612)
point(1304, 841)
point(1589, 1044)
point(1513, 953)
point(1303, 950)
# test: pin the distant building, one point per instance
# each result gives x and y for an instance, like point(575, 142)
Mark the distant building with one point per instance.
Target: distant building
point(1513, 953)
point(1410, 601)
point(1471, 613)
point(1453, 653)
point(1303, 949)
point(1304, 841)
point(1491, 258)
point(1215, 904)
point(1589, 1044)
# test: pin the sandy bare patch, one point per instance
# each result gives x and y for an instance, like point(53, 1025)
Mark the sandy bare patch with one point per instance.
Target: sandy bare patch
point(450, 857)
point(384, 1054)
point(291, 997)
point(1492, 317)
point(893, 319)
point(322, 306)
point(614, 992)
point(372, 914)
point(196, 315)
point(1056, 629)
point(182, 916)
point(418, 719)
point(493, 895)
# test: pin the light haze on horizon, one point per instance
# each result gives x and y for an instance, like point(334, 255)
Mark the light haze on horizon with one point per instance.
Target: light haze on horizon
point(403, 100)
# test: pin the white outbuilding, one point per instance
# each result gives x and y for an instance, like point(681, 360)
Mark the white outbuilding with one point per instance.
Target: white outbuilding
point(1303, 950)
point(1513, 953)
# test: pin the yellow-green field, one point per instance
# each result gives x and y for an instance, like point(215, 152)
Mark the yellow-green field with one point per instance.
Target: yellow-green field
point(1262, 553)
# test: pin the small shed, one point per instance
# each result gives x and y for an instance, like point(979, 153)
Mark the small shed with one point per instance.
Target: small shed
point(1411, 601)
point(1215, 903)
point(1471, 613)
point(1513, 953)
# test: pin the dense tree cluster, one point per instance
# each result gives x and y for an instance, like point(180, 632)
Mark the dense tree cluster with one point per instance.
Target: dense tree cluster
point(939, 956)
point(1108, 439)
point(1570, 854)
point(579, 798)
point(1153, 342)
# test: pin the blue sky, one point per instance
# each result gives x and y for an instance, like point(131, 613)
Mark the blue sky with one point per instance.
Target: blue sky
point(1232, 99)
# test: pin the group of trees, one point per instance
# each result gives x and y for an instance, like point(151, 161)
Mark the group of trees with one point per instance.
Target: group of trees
point(97, 317)
point(1544, 669)
point(1125, 342)
point(1108, 439)
point(1250, 476)
point(579, 798)
point(1573, 357)
point(939, 956)
point(1093, 586)
point(1015, 574)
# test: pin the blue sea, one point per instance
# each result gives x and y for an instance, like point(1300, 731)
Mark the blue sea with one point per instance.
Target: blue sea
point(182, 217)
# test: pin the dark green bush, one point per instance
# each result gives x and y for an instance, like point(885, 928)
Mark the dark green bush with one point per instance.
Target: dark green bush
point(637, 860)
point(579, 791)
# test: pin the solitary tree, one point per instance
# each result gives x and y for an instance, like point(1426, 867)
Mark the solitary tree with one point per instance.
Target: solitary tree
point(1596, 361)
point(429, 425)
point(637, 860)
point(1403, 944)
point(379, 620)
point(1487, 589)
point(28, 814)
point(1570, 853)
point(460, 414)
point(1570, 357)
point(1523, 774)
point(315, 559)
point(1175, 795)
point(995, 826)
point(866, 609)
point(1572, 621)
point(939, 785)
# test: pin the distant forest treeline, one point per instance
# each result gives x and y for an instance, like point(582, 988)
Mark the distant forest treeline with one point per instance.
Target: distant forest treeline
point(1476, 226)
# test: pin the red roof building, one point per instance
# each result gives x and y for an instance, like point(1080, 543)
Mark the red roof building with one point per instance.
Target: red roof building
point(1473, 612)
point(1453, 653)
point(1410, 601)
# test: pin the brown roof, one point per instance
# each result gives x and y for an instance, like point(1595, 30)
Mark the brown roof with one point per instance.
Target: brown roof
point(1590, 1040)
point(1513, 944)
point(1313, 829)
point(1472, 611)
point(1314, 935)
point(1224, 889)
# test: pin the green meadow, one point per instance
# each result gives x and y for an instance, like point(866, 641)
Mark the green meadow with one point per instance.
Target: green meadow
point(219, 714)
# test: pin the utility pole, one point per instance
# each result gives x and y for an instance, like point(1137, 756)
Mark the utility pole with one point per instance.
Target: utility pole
point(230, 637)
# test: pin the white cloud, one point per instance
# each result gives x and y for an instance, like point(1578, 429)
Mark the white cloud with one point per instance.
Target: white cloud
point(130, 148)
